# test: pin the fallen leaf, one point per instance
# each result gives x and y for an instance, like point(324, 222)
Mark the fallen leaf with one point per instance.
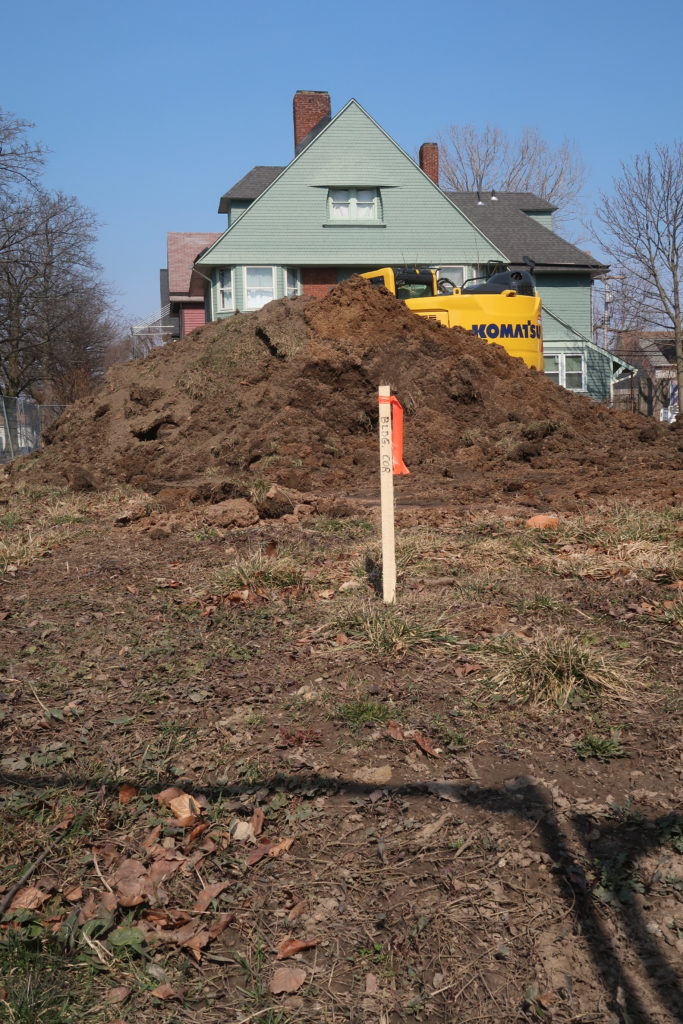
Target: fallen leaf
point(127, 793)
point(242, 832)
point(118, 995)
point(466, 669)
point(395, 731)
point(73, 895)
point(279, 848)
point(287, 979)
point(131, 883)
point(424, 744)
point(165, 991)
point(166, 795)
point(290, 946)
point(297, 910)
point(184, 807)
point(209, 893)
point(29, 898)
point(258, 819)
point(371, 985)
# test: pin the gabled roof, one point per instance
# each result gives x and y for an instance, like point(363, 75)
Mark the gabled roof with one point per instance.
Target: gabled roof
point(649, 350)
point(507, 224)
point(250, 186)
point(427, 231)
point(183, 248)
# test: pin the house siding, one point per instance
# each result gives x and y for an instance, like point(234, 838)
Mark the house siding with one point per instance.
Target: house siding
point(287, 225)
point(191, 317)
point(597, 363)
point(566, 302)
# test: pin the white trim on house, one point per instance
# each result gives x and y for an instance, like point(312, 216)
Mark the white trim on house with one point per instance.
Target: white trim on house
point(562, 373)
point(224, 307)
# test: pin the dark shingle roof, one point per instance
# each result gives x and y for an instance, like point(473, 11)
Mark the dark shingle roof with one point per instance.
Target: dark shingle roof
point(250, 186)
point(507, 224)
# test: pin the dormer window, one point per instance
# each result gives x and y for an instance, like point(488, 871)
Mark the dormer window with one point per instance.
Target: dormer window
point(349, 204)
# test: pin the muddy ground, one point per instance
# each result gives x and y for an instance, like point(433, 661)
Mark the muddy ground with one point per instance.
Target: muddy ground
point(358, 780)
point(235, 787)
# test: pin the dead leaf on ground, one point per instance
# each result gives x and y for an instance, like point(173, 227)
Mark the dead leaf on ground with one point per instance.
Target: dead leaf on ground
point(279, 848)
point(297, 910)
point(467, 669)
point(287, 979)
point(395, 731)
point(291, 946)
point(166, 991)
point(209, 893)
point(185, 807)
point(118, 994)
point(131, 882)
point(258, 819)
point(127, 793)
point(29, 898)
point(166, 795)
point(424, 744)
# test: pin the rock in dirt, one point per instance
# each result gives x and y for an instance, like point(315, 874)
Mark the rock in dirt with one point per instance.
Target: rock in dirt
point(232, 514)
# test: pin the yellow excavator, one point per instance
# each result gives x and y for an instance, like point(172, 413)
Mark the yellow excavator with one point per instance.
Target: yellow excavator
point(502, 308)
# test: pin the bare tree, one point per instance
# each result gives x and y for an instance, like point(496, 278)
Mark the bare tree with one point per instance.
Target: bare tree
point(474, 159)
point(640, 226)
point(20, 159)
point(52, 305)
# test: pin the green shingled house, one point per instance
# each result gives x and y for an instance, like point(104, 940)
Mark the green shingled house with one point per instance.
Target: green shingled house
point(352, 200)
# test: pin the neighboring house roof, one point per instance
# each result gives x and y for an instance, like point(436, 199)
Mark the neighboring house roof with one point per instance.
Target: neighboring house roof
point(250, 186)
point(507, 224)
point(183, 248)
point(648, 350)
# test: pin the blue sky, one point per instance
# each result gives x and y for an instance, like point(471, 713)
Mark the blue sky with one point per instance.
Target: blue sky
point(153, 109)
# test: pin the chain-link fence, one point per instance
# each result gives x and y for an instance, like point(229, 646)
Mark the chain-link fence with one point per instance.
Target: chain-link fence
point(22, 423)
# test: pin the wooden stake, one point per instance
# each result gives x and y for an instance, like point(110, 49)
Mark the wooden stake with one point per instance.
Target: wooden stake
point(386, 477)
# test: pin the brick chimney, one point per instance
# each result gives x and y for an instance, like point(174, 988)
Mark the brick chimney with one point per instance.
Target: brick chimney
point(429, 160)
point(310, 109)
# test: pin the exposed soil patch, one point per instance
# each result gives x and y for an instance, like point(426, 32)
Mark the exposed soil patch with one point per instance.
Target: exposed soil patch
point(288, 395)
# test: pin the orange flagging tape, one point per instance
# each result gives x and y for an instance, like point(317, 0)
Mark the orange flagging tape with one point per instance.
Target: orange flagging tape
point(398, 465)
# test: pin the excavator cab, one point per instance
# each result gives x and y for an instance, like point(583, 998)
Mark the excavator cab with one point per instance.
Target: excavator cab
point(500, 279)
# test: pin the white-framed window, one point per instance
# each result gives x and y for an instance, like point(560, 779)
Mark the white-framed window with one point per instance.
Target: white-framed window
point(259, 286)
point(456, 274)
point(349, 204)
point(567, 369)
point(226, 291)
point(292, 282)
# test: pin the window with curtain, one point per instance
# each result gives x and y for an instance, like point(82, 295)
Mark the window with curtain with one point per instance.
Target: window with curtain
point(226, 299)
point(292, 282)
point(349, 204)
point(259, 286)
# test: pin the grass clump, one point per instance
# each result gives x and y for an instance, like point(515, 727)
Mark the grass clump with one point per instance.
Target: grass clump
point(362, 711)
point(258, 570)
point(384, 631)
point(37, 985)
point(553, 669)
point(601, 748)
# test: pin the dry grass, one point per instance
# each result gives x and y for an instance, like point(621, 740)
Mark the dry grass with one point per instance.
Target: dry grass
point(385, 630)
point(554, 668)
point(257, 570)
point(34, 521)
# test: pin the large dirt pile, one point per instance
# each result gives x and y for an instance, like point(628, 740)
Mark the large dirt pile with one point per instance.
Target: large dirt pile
point(288, 395)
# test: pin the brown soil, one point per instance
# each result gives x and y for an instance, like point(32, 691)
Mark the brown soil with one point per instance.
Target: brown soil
point(288, 395)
